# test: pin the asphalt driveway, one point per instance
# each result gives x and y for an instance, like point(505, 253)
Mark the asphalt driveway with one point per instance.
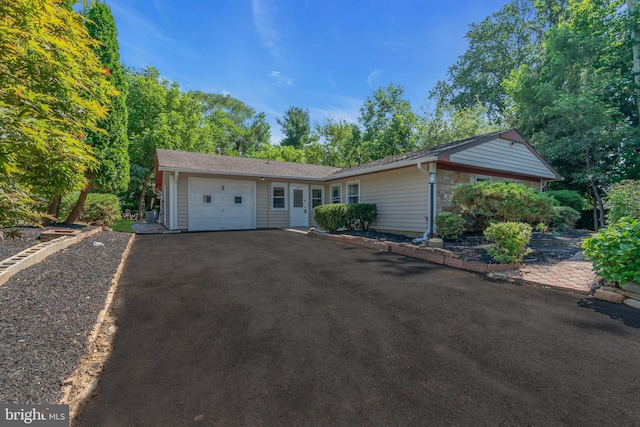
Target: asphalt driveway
point(275, 328)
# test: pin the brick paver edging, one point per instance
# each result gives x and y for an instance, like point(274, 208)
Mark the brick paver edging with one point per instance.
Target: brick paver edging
point(37, 253)
point(435, 255)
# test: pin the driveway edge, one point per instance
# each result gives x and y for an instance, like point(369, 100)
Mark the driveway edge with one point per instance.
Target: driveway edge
point(503, 272)
point(433, 255)
point(78, 386)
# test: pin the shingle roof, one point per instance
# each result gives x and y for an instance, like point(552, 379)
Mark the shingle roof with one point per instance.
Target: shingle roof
point(213, 163)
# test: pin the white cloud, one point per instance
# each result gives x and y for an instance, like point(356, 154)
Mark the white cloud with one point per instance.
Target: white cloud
point(372, 78)
point(264, 21)
point(331, 82)
point(280, 79)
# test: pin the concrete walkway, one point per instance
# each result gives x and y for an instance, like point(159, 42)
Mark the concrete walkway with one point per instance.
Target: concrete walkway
point(144, 228)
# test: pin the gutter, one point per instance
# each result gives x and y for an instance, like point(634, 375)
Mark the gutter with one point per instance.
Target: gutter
point(345, 173)
point(254, 175)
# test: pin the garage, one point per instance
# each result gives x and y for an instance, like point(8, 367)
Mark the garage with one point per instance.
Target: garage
point(221, 204)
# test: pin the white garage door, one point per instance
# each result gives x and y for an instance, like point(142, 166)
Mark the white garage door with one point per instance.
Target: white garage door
point(220, 204)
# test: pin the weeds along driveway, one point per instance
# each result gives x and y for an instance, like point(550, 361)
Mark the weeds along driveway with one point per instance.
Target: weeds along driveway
point(275, 328)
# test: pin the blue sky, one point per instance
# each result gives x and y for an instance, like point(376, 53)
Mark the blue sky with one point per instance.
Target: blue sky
point(323, 55)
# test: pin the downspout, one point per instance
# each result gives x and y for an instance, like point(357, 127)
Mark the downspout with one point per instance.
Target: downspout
point(432, 202)
point(173, 200)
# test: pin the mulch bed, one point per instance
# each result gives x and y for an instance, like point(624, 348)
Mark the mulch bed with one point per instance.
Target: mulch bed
point(28, 237)
point(46, 314)
point(546, 248)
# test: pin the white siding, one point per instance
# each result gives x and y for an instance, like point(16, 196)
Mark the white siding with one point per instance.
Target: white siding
point(167, 198)
point(265, 216)
point(401, 196)
point(503, 155)
point(262, 204)
point(183, 201)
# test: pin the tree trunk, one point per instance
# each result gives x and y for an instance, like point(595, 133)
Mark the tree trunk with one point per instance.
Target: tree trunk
point(599, 205)
point(77, 208)
point(143, 192)
point(635, 37)
point(53, 209)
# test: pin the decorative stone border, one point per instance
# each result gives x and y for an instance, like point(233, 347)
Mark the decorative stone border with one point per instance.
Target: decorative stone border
point(434, 255)
point(37, 253)
point(57, 232)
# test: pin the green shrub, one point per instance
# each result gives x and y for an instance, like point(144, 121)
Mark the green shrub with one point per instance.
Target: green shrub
point(502, 201)
point(361, 215)
point(624, 200)
point(615, 251)
point(353, 216)
point(570, 198)
point(450, 225)
point(331, 217)
point(99, 209)
point(509, 239)
point(564, 218)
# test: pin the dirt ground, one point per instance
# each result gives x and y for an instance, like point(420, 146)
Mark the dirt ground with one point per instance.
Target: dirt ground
point(275, 328)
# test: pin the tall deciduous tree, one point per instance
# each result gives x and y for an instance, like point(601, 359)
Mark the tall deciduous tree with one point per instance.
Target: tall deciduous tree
point(570, 103)
point(110, 145)
point(389, 125)
point(53, 92)
point(497, 45)
point(146, 106)
point(448, 123)
point(296, 127)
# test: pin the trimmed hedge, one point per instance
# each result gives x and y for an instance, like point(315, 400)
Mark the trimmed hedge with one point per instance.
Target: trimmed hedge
point(570, 198)
point(450, 225)
point(510, 240)
point(564, 218)
point(503, 202)
point(353, 216)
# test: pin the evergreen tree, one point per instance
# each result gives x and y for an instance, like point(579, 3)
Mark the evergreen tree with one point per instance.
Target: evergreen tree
point(111, 144)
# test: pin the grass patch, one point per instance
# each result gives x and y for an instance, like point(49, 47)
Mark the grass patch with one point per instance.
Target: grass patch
point(123, 225)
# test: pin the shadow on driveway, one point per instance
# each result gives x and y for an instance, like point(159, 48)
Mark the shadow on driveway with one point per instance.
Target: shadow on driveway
point(274, 328)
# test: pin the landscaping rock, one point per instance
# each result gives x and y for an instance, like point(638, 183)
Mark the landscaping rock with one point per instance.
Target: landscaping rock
point(579, 256)
point(632, 303)
point(436, 243)
point(631, 287)
point(610, 288)
point(632, 295)
point(608, 296)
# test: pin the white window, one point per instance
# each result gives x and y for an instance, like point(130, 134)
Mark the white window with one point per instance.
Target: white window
point(317, 198)
point(278, 196)
point(353, 192)
point(336, 193)
point(206, 198)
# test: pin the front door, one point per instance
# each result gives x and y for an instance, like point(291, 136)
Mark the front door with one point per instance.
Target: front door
point(299, 206)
